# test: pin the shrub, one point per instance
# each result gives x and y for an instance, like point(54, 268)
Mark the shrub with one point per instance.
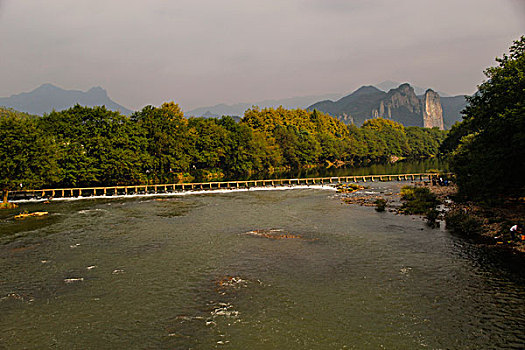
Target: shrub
point(460, 222)
point(432, 215)
point(380, 204)
point(418, 200)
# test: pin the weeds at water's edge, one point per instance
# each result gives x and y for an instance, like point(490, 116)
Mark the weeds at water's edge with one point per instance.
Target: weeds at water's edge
point(8, 205)
point(458, 221)
point(380, 204)
point(420, 200)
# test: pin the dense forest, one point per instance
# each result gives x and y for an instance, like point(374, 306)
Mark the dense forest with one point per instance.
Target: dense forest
point(84, 146)
point(487, 149)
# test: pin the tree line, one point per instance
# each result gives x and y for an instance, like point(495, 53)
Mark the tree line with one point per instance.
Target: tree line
point(487, 149)
point(90, 146)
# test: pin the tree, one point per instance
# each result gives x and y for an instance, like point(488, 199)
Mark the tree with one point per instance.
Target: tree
point(392, 133)
point(96, 146)
point(489, 144)
point(208, 143)
point(168, 140)
point(27, 155)
point(243, 153)
point(424, 142)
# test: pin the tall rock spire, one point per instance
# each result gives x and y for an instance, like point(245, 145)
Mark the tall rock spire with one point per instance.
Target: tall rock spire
point(432, 110)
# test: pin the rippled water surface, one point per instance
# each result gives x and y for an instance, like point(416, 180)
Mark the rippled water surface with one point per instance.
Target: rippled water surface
point(291, 269)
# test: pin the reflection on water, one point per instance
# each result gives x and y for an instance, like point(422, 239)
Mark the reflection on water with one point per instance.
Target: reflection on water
point(207, 271)
point(401, 167)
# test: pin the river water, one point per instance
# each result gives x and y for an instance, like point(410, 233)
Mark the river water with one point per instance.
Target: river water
point(401, 167)
point(191, 271)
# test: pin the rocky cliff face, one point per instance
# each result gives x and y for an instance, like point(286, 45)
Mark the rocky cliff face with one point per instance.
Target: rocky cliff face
point(400, 104)
point(432, 110)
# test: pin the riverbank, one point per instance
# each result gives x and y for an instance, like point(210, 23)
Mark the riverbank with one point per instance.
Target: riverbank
point(8, 205)
point(488, 224)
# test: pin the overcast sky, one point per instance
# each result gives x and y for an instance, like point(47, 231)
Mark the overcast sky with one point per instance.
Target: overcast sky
point(203, 52)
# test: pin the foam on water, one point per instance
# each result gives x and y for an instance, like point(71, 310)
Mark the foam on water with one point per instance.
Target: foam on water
point(87, 211)
point(184, 193)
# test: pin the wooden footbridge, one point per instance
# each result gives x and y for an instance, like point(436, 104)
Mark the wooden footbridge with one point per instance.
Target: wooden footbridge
point(181, 187)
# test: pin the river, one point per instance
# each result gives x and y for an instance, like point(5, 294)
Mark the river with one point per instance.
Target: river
point(191, 271)
point(400, 167)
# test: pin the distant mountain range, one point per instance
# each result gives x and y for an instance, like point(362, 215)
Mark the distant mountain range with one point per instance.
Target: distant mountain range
point(359, 105)
point(389, 85)
point(48, 97)
point(405, 105)
point(239, 108)
point(400, 104)
point(452, 107)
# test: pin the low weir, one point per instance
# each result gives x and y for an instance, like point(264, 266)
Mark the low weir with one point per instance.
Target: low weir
point(192, 186)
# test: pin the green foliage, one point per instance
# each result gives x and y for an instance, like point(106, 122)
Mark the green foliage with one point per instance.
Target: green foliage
point(8, 205)
point(95, 146)
point(380, 204)
point(424, 142)
point(432, 216)
point(84, 146)
point(168, 141)
point(392, 134)
point(488, 147)
point(27, 155)
point(303, 137)
point(421, 201)
point(460, 222)
point(418, 200)
point(268, 119)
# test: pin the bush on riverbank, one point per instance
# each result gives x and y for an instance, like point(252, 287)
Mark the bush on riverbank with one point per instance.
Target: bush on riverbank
point(349, 188)
point(8, 206)
point(420, 201)
point(460, 222)
point(380, 205)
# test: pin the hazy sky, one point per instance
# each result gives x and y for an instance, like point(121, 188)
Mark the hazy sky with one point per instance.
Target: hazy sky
point(204, 52)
